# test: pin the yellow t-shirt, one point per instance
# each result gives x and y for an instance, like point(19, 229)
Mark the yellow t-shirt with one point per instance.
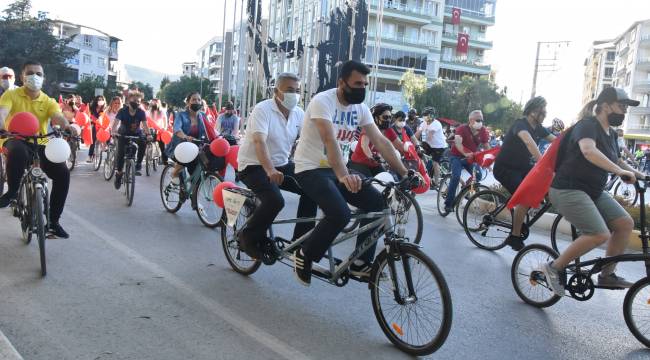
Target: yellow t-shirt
point(43, 107)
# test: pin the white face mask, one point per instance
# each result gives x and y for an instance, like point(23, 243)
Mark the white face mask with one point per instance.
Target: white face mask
point(34, 82)
point(400, 124)
point(7, 83)
point(477, 125)
point(290, 100)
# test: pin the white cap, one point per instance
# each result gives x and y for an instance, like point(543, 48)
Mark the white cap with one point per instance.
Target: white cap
point(5, 70)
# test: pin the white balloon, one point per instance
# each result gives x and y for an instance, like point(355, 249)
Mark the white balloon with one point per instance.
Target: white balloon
point(186, 152)
point(57, 150)
point(385, 177)
point(77, 128)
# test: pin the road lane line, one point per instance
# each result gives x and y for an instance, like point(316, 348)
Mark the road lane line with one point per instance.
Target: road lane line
point(8, 351)
point(240, 324)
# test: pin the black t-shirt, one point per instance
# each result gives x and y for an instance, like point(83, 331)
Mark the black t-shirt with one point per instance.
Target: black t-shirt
point(514, 154)
point(574, 170)
point(130, 125)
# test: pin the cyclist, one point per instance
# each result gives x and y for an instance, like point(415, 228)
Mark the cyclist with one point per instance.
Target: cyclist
point(555, 129)
point(586, 156)
point(7, 79)
point(30, 98)
point(331, 120)
point(159, 117)
point(188, 125)
point(116, 105)
point(516, 157)
point(263, 158)
point(364, 157)
point(97, 107)
point(413, 121)
point(404, 133)
point(433, 139)
point(131, 120)
point(228, 124)
point(468, 139)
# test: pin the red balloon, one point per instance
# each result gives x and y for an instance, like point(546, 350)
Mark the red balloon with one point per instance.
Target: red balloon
point(231, 158)
point(24, 123)
point(166, 137)
point(103, 135)
point(81, 118)
point(219, 147)
point(217, 194)
point(427, 180)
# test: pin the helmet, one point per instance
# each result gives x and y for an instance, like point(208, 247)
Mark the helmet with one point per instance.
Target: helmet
point(431, 111)
point(533, 104)
point(413, 112)
point(558, 124)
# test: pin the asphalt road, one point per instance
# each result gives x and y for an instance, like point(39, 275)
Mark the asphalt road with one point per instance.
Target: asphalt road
point(140, 283)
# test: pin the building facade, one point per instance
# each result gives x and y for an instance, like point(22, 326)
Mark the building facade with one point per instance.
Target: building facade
point(190, 68)
point(632, 73)
point(97, 55)
point(599, 69)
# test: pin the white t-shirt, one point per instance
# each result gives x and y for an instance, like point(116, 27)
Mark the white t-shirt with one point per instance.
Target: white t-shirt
point(433, 135)
point(280, 133)
point(310, 153)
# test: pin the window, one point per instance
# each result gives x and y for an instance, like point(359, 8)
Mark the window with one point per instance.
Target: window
point(611, 55)
point(627, 78)
point(101, 62)
point(87, 59)
point(397, 58)
point(88, 41)
point(86, 76)
point(103, 44)
point(609, 71)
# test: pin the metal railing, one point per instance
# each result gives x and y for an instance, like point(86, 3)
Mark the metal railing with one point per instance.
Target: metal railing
point(472, 37)
point(464, 61)
point(396, 5)
point(472, 13)
point(404, 39)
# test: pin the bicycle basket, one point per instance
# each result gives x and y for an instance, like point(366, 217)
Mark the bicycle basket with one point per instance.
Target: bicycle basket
point(210, 162)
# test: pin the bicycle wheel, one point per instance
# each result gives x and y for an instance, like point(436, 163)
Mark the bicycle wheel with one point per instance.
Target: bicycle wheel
point(561, 236)
point(635, 310)
point(129, 182)
point(148, 159)
point(24, 213)
point(206, 208)
point(461, 199)
point(406, 208)
point(486, 220)
point(170, 194)
point(445, 168)
point(40, 223)
point(3, 175)
point(442, 194)
point(109, 170)
point(627, 192)
point(97, 160)
point(156, 157)
point(419, 321)
point(237, 258)
point(527, 278)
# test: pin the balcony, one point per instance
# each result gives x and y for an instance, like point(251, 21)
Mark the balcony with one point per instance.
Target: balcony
point(215, 65)
point(467, 65)
point(475, 41)
point(471, 16)
point(643, 64)
point(403, 40)
point(624, 49)
point(642, 85)
point(112, 54)
point(640, 110)
point(397, 11)
point(645, 41)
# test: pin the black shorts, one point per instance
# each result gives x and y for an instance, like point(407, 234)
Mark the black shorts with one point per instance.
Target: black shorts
point(435, 153)
point(510, 178)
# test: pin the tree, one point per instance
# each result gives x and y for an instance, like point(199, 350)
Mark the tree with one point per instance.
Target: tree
point(412, 85)
point(146, 89)
point(164, 82)
point(23, 38)
point(175, 92)
point(86, 88)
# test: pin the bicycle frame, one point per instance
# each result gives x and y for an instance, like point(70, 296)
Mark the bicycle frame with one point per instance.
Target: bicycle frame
point(529, 223)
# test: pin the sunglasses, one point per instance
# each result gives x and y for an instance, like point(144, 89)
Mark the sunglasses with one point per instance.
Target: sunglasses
point(386, 117)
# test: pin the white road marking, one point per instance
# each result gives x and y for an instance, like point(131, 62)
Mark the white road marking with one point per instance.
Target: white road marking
point(8, 351)
point(240, 324)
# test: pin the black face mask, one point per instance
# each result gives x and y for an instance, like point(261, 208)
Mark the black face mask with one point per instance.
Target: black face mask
point(615, 119)
point(196, 107)
point(134, 105)
point(383, 125)
point(354, 95)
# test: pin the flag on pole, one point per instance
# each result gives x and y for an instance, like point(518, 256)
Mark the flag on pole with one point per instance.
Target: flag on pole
point(463, 43)
point(455, 16)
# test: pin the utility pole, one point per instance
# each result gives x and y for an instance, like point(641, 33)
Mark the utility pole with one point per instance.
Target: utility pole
point(549, 44)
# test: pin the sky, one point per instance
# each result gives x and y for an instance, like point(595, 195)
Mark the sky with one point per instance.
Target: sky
point(161, 35)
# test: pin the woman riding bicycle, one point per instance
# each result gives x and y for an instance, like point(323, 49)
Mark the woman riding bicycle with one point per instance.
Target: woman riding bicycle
point(159, 118)
point(586, 155)
point(188, 125)
point(364, 157)
point(97, 107)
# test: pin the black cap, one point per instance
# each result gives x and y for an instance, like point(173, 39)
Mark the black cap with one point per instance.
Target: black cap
point(230, 106)
point(611, 95)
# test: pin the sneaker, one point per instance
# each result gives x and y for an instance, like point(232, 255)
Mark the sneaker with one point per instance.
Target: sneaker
point(553, 279)
point(89, 160)
point(250, 246)
point(5, 200)
point(176, 180)
point(302, 267)
point(613, 281)
point(515, 242)
point(57, 231)
point(362, 271)
point(138, 170)
point(448, 210)
point(118, 181)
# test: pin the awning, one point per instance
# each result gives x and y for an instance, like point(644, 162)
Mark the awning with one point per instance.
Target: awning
point(636, 137)
point(449, 122)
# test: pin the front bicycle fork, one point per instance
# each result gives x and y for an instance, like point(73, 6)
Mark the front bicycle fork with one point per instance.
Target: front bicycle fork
point(395, 255)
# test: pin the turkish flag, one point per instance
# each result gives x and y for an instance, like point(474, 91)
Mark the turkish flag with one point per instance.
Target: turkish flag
point(463, 43)
point(485, 158)
point(532, 190)
point(455, 16)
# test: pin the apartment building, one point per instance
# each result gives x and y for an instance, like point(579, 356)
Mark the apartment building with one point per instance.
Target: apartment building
point(599, 69)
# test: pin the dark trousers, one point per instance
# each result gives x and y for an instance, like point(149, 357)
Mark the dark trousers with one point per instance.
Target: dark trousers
point(163, 154)
point(91, 147)
point(332, 197)
point(19, 158)
point(121, 149)
point(457, 165)
point(271, 201)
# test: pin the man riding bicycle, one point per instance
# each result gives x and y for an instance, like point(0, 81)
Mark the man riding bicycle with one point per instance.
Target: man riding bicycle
point(515, 160)
point(468, 139)
point(433, 139)
point(331, 120)
point(131, 119)
point(264, 165)
point(30, 98)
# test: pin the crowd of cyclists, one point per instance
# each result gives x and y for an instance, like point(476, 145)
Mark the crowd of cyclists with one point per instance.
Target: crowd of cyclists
point(340, 141)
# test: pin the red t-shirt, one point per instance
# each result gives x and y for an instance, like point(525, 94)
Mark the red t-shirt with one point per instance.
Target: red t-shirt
point(359, 157)
point(471, 142)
